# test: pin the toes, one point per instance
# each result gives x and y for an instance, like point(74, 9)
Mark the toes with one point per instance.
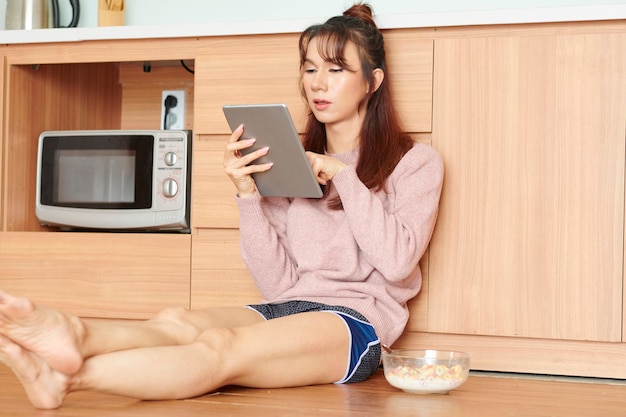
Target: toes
point(14, 308)
point(44, 387)
point(9, 351)
point(12, 355)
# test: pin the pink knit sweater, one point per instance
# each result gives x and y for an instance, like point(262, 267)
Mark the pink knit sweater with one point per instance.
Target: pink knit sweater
point(364, 257)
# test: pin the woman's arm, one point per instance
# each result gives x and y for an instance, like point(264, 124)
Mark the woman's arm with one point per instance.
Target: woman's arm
point(264, 249)
point(262, 225)
point(394, 237)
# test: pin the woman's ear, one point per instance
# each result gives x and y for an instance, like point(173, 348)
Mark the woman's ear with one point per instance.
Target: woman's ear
point(378, 75)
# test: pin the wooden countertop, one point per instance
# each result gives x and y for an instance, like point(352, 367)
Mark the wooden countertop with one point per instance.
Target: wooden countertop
point(390, 21)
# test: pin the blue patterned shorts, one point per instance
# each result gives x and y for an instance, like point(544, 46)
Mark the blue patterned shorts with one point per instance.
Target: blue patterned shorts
point(365, 349)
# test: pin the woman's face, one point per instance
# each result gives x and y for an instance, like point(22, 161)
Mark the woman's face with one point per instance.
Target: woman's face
point(333, 92)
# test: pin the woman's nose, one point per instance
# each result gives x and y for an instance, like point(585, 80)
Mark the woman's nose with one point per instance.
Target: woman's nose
point(319, 81)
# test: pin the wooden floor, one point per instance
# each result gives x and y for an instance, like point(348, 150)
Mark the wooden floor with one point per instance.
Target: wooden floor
point(480, 396)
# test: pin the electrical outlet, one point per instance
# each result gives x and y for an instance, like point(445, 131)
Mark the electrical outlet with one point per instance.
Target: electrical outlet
point(173, 110)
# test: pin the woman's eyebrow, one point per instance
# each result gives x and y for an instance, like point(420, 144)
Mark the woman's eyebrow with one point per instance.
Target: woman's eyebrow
point(309, 60)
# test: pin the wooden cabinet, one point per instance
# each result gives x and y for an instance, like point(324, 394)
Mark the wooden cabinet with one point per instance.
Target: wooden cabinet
point(526, 263)
point(530, 238)
point(525, 269)
point(98, 274)
point(246, 69)
point(262, 69)
point(219, 276)
point(90, 85)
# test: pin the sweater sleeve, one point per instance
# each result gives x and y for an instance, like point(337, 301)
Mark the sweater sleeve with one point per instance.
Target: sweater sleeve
point(263, 244)
point(394, 236)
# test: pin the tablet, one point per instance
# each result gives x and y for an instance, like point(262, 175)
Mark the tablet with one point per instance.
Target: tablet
point(271, 125)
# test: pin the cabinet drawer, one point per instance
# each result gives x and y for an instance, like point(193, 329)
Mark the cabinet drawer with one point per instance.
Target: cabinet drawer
point(246, 69)
point(98, 274)
point(258, 69)
point(213, 202)
point(218, 275)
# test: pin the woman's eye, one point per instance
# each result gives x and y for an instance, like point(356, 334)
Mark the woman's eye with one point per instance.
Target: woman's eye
point(309, 70)
point(336, 69)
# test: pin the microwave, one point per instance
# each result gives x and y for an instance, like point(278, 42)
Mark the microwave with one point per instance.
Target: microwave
point(115, 180)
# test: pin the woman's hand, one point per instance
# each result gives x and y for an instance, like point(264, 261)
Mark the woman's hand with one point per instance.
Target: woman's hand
point(238, 167)
point(324, 167)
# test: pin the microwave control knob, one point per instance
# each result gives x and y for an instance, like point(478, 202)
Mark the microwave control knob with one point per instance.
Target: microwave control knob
point(170, 187)
point(170, 159)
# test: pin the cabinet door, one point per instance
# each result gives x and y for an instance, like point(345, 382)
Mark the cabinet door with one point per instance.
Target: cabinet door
point(116, 275)
point(530, 236)
point(219, 277)
point(262, 69)
point(248, 69)
point(213, 202)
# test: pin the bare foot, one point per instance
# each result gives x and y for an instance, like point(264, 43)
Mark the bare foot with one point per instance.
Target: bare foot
point(45, 387)
point(53, 336)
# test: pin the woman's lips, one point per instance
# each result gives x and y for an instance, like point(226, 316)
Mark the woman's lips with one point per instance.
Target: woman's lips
point(321, 104)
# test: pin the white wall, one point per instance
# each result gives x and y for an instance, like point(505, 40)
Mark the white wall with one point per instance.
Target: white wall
point(150, 11)
point(159, 12)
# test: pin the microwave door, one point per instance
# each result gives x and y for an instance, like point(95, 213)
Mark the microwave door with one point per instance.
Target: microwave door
point(98, 172)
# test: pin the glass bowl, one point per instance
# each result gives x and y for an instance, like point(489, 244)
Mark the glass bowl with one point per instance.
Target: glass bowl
point(426, 371)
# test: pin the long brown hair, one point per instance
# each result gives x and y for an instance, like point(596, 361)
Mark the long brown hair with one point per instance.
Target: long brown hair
point(382, 140)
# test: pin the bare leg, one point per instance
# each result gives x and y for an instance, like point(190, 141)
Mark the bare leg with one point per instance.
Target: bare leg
point(64, 341)
point(305, 349)
point(158, 360)
point(173, 326)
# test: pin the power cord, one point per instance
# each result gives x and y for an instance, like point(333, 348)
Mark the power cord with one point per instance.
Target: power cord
point(182, 62)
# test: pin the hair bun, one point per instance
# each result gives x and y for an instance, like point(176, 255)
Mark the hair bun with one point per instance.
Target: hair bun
point(361, 11)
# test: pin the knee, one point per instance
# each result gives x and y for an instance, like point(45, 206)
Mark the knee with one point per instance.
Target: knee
point(179, 320)
point(219, 348)
point(172, 314)
point(219, 340)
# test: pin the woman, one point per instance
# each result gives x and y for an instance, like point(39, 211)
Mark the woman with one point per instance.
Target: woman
point(336, 272)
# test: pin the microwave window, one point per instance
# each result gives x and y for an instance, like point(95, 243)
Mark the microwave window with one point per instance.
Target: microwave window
point(94, 176)
point(97, 172)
